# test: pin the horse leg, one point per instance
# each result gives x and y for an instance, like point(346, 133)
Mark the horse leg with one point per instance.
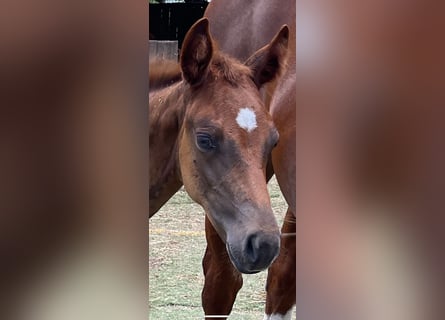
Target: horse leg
point(281, 278)
point(222, 280)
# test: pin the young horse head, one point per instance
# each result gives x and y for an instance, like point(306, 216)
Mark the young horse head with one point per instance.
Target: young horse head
point(211, 132)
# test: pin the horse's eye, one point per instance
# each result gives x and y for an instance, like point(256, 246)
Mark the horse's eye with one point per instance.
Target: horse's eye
point(204, 142)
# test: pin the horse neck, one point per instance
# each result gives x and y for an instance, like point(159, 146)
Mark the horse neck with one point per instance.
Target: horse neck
point(166, 114)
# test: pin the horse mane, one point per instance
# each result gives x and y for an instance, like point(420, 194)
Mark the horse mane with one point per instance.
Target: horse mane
point(163, 73)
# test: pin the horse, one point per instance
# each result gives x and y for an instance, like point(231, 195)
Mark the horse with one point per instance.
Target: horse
point(280, 99)
point(210, 132)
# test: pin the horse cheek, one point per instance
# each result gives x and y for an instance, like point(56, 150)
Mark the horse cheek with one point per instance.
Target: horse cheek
point(189, 170)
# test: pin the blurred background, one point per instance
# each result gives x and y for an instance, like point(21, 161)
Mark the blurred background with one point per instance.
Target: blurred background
point(73, 160)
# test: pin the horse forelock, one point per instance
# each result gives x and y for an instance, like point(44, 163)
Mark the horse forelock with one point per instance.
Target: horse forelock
point(163, 73)
point(229, 69)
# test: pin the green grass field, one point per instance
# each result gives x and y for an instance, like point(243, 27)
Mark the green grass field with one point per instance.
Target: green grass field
point(177, 245)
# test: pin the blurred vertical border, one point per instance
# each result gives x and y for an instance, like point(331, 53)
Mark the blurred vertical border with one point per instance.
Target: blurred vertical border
point(370, 154)
point(73, 159)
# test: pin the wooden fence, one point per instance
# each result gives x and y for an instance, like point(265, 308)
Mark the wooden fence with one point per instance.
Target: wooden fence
point(163, 49)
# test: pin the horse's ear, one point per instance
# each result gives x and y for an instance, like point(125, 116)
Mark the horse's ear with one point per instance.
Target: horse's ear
point(196, 53)
point(269, 61)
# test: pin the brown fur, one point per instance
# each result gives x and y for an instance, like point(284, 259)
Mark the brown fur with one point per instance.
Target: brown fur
point(163, 73)
point(228, 181)
point(272, 14)
point(220, 68)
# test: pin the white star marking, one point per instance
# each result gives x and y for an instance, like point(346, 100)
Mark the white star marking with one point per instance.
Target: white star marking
point(246, 119)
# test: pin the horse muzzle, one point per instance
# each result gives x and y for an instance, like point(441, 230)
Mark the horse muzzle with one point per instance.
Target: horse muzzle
point(255, 252)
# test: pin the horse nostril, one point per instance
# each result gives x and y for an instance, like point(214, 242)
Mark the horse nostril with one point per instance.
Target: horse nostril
point(261, 249)
point(252, 248)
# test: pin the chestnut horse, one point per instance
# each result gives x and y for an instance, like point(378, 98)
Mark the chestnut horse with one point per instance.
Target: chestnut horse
point(281, 101)
point(210, 131)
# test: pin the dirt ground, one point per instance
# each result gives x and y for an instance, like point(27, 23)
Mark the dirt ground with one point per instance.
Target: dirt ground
point(177, 245)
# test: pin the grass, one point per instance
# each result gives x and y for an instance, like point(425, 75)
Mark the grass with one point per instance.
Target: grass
point(177, 245)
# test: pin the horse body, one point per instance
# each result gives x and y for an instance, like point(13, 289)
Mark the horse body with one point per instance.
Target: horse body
point(164, 180)
point(258, 20)
point(211, 132)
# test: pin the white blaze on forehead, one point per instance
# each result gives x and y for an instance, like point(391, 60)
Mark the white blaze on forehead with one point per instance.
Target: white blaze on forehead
point(246, 119)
